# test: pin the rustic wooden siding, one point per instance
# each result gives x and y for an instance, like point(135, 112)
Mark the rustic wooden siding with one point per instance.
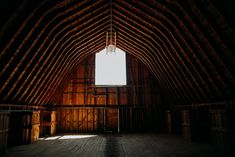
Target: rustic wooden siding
point(86, 108)
point(48, 122)
point(4, 128)
point(209, 123)
point(23, 127)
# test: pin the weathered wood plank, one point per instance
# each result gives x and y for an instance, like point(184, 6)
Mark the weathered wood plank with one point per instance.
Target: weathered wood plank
point(115, 145)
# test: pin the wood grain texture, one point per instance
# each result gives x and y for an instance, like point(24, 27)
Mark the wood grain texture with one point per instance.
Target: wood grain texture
point(116, 145)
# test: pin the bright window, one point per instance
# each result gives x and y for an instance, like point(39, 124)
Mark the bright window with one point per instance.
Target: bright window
point(110, 69)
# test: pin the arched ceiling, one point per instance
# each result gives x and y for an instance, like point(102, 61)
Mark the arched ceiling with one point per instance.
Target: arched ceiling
point(188, 45)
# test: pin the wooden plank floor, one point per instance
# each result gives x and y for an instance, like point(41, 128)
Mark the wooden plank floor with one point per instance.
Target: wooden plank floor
point(114, 145)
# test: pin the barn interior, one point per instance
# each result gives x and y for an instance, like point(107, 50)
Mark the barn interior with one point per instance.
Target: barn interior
point(179, 66)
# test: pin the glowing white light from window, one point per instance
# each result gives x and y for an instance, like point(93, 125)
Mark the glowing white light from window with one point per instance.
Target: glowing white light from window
point(110, 69)
point(52, 138)
point(66, 137)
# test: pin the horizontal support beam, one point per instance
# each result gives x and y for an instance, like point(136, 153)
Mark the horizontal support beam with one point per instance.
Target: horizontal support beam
point(228, 104)
point(15, 106)
point(99, 106)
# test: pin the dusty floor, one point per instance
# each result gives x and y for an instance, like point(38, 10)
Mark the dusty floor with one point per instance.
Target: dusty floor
point(114, 145)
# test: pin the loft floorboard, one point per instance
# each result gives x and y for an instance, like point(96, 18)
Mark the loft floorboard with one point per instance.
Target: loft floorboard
point(115, 145)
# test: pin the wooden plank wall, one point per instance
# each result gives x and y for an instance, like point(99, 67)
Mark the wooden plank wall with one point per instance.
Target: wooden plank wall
point(205, 122)
point(48, 122)
point(87, 108)
point(23, 127)
point(4, 128)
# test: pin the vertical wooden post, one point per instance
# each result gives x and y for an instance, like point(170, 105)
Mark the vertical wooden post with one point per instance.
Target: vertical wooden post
point(85, 82)
point(104, 118)
point(82, 120)
point(127, 123)
point(87, 120)
point(78, 120)
point(29, 127)
point(128, 93)
point(139, 84)
point(71, 119)
point(118, 102)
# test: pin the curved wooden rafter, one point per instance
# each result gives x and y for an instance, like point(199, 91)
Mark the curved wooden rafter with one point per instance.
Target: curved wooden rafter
point(189, 54)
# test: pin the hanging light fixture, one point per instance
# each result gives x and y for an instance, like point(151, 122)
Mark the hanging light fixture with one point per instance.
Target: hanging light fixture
point(110, 44)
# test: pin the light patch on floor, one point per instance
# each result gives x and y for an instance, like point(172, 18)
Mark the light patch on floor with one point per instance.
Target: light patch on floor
point(115, 145)
point(66, 137)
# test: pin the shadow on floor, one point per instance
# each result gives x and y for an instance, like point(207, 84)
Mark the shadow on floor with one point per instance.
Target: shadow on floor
point(112, 146)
